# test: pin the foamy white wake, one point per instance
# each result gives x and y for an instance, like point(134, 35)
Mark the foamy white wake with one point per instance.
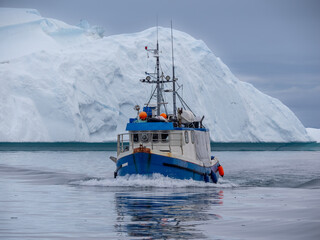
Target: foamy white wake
point(156, 180)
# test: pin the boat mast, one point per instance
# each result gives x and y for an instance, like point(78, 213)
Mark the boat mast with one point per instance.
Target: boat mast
point(158, 79)
point(173, 78)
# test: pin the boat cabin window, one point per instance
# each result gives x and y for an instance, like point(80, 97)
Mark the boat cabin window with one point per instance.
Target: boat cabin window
point(164, 137)
point(192, 136)
point(186, 137)
point(135, 137)
point(155, 137)
point(145, 137)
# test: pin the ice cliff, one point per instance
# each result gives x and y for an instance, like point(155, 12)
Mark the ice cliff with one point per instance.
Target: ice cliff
point(65, 83)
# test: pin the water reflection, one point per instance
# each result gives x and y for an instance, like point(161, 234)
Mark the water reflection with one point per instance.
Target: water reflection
point(165, 215)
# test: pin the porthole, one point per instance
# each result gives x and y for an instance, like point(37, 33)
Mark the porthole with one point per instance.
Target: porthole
point(186, 137)
point(192, 136)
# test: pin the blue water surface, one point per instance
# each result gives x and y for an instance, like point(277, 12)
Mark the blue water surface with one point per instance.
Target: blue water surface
point(72, 195)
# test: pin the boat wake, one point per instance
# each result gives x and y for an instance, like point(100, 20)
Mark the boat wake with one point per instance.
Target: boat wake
point(37, 176)
point(312, 184)
point(154, 181)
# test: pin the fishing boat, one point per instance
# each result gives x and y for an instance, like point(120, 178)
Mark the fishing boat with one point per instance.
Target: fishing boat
point(176, 145)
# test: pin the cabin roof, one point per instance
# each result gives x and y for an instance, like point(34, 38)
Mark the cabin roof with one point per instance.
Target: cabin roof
point(157, 126)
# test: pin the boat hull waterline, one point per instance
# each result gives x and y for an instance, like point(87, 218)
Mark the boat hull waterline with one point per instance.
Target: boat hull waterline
point(144, 163)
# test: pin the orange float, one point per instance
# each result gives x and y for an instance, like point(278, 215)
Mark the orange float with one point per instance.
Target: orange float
point(143, 115)
point(163, 115)
point(221, 171)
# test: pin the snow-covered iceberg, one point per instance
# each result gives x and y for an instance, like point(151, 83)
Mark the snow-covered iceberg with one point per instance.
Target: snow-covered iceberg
point(314, 133)
point(59, 83)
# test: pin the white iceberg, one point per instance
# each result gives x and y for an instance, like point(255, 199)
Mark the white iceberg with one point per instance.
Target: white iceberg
point(59, 83)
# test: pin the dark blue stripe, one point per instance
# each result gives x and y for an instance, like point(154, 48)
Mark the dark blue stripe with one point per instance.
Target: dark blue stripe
point(148, 164)
point(149, 126)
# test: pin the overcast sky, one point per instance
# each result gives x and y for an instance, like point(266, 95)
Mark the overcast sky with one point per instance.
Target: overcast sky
point(273, 44)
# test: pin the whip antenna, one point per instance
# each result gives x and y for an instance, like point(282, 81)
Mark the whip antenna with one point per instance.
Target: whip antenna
point(173, 78)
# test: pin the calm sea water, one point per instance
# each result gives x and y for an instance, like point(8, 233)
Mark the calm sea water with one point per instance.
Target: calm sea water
point(72, 195)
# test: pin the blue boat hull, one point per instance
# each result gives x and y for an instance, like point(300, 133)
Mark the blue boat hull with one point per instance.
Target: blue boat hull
point(148, 163)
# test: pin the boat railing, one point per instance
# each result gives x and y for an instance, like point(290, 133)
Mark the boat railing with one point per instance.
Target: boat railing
point(123, 142)
point(161, 141)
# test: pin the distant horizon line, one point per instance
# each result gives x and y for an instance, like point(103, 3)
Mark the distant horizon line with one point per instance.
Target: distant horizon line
point(112, 146)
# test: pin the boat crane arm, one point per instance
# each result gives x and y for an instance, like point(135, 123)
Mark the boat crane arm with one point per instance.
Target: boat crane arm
point(113, 159)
